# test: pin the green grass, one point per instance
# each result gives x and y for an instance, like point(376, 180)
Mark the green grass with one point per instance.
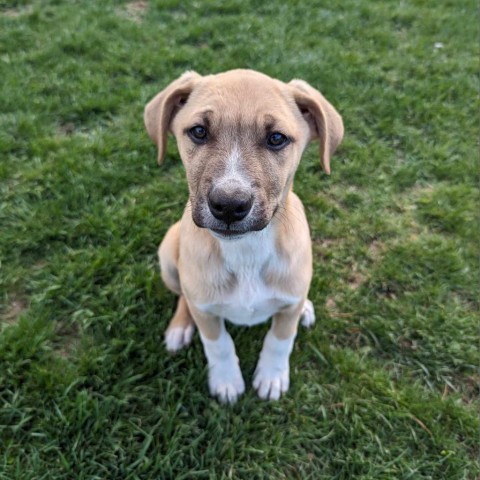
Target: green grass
point(387, 384)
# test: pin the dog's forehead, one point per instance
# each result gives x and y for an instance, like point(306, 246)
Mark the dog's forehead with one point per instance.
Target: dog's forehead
point(242, 92)
point(241, 83)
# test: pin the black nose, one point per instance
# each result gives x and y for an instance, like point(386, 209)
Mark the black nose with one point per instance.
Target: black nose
point(231, 206)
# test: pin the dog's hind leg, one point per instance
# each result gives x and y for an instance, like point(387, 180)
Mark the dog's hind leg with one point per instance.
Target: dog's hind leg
point(181, 328)
point(168, 254)
point(307, 318)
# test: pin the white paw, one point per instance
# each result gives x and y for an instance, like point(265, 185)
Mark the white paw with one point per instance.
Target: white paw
point(308, 314)
point(177, 338)
point(271, 381)
point(226, 382)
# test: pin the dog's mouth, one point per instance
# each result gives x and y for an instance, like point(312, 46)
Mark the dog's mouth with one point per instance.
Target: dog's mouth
point(227, 234)
point(222, 230)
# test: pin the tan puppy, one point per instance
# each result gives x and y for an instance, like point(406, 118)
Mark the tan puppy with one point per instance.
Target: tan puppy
point(242, 250)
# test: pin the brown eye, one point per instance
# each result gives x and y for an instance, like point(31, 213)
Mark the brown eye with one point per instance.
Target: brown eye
point(277, 140)
point(198, 134)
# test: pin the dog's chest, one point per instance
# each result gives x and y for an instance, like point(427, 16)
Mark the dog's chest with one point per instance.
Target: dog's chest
point(250, 300)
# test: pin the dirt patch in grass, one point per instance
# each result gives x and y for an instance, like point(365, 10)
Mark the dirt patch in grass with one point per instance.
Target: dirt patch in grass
point(13, 312)
point(66, 129)
point(332, 307)
point(356, 278)
point(16, 12)
point(134, 11)
point(376, 250)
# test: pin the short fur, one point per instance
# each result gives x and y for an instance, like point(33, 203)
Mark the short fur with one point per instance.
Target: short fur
point(258, 267)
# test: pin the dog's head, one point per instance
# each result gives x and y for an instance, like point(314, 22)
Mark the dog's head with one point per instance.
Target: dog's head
point(241, 135)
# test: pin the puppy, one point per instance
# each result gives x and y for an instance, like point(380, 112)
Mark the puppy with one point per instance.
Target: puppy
point(242, 250)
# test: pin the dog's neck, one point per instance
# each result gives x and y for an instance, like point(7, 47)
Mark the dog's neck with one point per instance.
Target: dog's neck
point(250, 251)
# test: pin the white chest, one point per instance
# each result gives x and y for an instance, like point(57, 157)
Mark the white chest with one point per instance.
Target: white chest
point(249, 303)
point(251, 300)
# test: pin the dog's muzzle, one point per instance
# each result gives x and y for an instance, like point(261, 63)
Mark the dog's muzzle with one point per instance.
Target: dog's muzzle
point(230, 210)
point(229, 206)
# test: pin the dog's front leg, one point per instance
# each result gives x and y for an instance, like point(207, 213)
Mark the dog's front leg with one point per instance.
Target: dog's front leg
point(224, 376)
point(272, 375)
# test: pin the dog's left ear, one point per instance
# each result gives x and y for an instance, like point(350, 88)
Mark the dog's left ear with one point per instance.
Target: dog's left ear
point(159, 112)
point(324, 121)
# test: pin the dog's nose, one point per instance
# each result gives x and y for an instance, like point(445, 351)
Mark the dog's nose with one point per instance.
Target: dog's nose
point(231, 206)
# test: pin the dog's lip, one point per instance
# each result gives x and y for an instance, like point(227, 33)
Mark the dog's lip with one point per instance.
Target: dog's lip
point(233, 234)
point(227, 233)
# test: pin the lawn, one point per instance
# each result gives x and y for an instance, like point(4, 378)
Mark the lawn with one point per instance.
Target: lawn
point(386, 386)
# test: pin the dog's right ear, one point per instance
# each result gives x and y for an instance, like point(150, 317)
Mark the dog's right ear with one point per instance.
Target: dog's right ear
point(160, 111)
point(324, 121)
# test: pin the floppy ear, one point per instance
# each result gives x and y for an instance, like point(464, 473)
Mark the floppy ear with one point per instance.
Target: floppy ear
point(160, 111)
point(324, 121)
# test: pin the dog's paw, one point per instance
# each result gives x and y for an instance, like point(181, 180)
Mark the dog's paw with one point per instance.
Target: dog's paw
point(226, 382)
point(270, 381)
point(308, 314)
point(177, 338)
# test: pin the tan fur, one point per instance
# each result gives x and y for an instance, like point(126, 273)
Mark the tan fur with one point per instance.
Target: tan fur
point(182, 317)
point(239, 107)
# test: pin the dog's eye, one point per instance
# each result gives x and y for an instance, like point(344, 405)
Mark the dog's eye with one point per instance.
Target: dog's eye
point(198, 134)
point(277, 140)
